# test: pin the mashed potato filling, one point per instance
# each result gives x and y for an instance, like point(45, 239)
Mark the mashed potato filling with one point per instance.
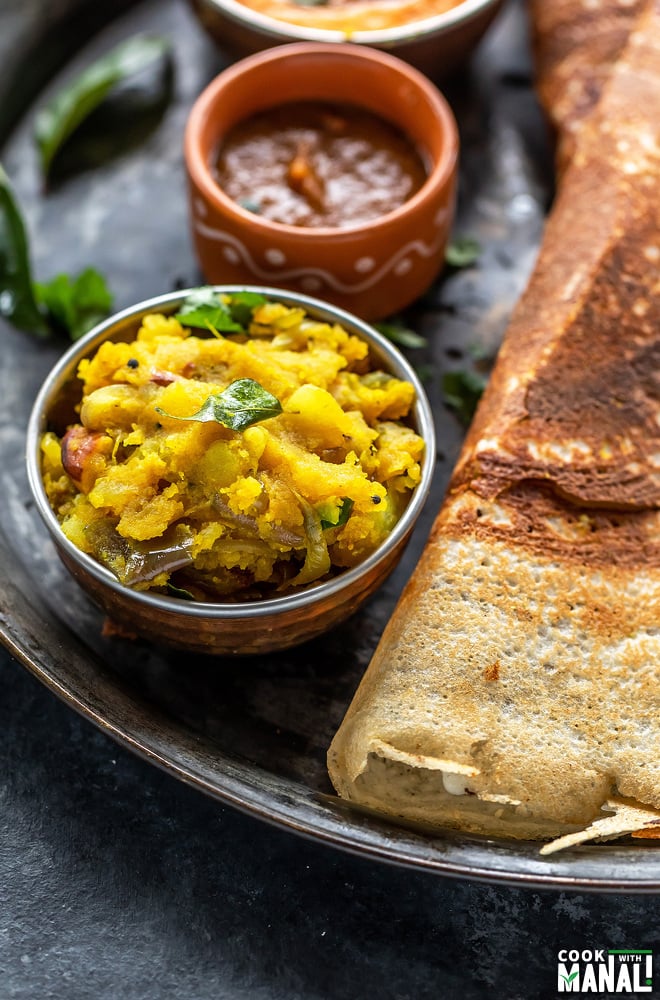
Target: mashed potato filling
point(187, 505)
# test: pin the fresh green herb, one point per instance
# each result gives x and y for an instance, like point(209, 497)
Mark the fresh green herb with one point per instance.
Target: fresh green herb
point(241, 404)
point(462, 391)
point(400, 334)
point(56, 121)
point(78, 304)
point(206, 309)
point(241, 305)
point(18, 302)
point(462, 252)
point(335, 515)
point(72, 305)
point(311, 3)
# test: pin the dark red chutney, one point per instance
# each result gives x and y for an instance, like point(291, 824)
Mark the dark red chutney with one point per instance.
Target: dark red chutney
point(310, 163)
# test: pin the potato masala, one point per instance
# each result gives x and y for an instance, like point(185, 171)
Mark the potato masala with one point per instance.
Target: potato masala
point(235, 451)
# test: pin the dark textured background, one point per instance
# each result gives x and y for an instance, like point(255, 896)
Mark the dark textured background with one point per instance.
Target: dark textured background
point(118, 882)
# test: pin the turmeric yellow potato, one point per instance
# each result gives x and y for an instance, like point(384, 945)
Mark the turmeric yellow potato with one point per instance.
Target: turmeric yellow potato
point(235, 451)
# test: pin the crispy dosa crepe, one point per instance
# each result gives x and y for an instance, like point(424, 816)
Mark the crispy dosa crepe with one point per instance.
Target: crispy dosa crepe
point(516, 688)
point(575, 47)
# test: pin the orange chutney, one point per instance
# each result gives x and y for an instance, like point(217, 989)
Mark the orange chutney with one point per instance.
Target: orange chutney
point(310, 163)
point(351, 15)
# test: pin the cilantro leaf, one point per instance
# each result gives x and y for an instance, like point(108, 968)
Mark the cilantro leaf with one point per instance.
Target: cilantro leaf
point(241, 305)
point(204, 308)
point(75, 304)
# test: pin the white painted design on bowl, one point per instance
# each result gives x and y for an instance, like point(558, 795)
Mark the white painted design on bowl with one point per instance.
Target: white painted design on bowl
point(231, 254)
point(403, 267)
point(311, 283)
point(364, 265)
point(275, 257)
point(240, 252)
point(200, 208)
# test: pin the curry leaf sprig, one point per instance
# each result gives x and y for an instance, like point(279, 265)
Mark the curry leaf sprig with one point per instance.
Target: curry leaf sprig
point(58, 119)
point(241, 404)
point(73, 305)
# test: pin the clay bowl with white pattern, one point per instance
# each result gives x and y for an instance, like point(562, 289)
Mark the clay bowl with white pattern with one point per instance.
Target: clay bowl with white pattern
point(372, 267)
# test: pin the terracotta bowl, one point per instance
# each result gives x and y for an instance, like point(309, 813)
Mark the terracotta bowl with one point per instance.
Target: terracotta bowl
point(372, 270)
point(437, 45)
point(223, 628)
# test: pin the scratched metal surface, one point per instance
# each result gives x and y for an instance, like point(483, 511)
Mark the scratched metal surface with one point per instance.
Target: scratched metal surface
point(254, 732)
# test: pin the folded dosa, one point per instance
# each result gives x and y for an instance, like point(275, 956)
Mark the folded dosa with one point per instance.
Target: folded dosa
point(516, 688)
point(575, 47)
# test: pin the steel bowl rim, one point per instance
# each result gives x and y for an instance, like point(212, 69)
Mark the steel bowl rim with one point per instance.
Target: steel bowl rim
point(409, 32)
point(219, 611)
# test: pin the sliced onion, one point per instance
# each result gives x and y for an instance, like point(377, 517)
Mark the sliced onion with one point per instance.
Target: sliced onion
point(317, 558)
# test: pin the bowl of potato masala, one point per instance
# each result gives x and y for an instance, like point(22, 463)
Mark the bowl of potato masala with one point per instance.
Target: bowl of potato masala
point(436, 36)
point(231, 469)
point(323, 169)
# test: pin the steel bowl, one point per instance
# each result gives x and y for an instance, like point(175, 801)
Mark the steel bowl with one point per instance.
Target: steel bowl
point(223, 628)
point(436, 45)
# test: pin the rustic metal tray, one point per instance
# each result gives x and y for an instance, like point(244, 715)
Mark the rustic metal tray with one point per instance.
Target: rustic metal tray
point(253, 732)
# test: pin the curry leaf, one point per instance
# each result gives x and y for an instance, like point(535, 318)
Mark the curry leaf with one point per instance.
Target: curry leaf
point(56, 121)
point(400, 334)
point(462, 252)
point(241, 404)
point(76, 304)
point(18, 303)
point(462, 391)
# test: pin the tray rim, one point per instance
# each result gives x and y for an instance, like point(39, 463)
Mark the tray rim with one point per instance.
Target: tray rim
point(338, 836)
point(18, 646)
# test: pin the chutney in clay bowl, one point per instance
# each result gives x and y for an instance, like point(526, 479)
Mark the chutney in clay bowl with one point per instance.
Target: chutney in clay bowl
point(361, 210)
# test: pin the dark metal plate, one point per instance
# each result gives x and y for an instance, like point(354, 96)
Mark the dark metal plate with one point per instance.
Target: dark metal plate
point(254, 732)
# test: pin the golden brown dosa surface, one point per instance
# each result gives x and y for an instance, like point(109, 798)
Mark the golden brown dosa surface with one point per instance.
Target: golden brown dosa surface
point(516, 689)
point(576, 44)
